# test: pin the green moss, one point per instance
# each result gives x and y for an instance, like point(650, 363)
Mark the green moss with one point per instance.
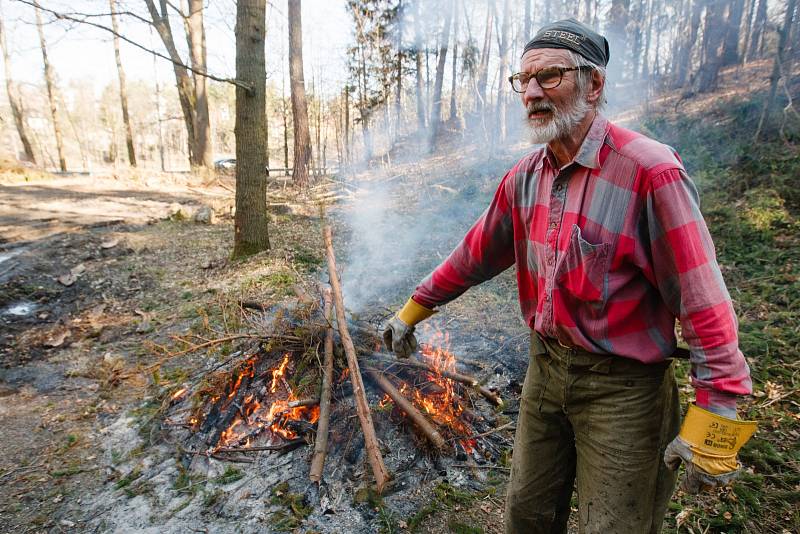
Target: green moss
point(456, 527)
point(297, 509)
point(230, 475)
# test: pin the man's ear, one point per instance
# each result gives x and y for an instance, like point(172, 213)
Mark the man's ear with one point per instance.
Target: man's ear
point(596, 89)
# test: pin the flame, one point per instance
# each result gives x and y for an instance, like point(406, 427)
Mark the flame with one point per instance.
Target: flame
point(278, 373)
point(178, 394)
point(256, 416)
point(443, 406)
point(385, 401)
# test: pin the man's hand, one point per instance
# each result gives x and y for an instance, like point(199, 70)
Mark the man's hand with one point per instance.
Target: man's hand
point(399, 333)
point(399, 338)
point(708, 444)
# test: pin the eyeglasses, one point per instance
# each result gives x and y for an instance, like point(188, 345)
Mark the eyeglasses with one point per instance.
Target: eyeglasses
point(547, 78)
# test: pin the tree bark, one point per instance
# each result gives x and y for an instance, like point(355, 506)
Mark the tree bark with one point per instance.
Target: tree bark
point(14, 99)
point(436, 108)
point(454, 85)
point(302, 136)
point(196, 35)
point(362, 406)
point(123, 90)
point(730, 47)
point(526, 25)
point(51, 93)
point(398, 108)
point(250, 224)
point(183, 81)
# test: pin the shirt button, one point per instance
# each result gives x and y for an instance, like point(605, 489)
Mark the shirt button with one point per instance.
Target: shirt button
point(553, 225)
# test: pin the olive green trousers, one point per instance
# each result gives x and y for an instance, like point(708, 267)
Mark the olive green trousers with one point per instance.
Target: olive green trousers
point(598, 423)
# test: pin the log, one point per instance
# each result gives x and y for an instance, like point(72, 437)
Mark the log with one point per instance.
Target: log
point(321, 444)
point(470, 381)
point(362, 406)
point(416, 417)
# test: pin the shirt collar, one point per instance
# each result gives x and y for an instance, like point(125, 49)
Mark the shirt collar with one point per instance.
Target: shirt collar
point(589, 153)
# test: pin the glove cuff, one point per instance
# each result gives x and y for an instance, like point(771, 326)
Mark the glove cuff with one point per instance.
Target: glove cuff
point(413, 312)
point(713, 435)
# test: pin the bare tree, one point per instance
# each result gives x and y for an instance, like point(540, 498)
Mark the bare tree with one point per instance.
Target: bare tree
point(730, 47)
point(51, 93)
point(250, 226)
point(483, 65)
point(682, 59)
point(14, 99)
point(196, 39)
point(756, 46)
point(302, 136)
point(123, 91)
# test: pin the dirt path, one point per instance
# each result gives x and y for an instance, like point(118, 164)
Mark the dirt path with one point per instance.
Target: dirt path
point(34, 210)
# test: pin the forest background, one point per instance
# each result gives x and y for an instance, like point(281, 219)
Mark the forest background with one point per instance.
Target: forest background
point(390, 93)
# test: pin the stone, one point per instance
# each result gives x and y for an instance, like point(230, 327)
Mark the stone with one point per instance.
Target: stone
point(205, 215)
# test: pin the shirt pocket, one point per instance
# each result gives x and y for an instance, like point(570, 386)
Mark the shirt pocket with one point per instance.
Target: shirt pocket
point(582, 272)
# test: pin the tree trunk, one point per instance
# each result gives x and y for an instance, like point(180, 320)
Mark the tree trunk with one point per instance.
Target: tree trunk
point(14, 99)
point(436, 109)
point(748, 25)
point(250, 225)
point(756, 47)
point(684, 55)
point(483, 65)
point(285, 110)
point(648, 38)
point(454, 85)
point(505, 66)
point(196, 34)
point(617, 32)
point(302, 136)
point(123, 91)
point(713, 36)
point(183, 81)
point(347, 125)
point(51, 93)
point(421, 112)
point(398, 108)
point(730, 47)
point(526, 25)
point(778, 67)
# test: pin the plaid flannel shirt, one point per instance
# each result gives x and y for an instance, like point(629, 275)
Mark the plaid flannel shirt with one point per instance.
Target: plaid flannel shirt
point(609, 251)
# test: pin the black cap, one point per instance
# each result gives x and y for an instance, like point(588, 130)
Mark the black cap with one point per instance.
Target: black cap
point(572, 35)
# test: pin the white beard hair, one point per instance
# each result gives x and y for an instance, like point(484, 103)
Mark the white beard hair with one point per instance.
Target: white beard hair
point(562, 122)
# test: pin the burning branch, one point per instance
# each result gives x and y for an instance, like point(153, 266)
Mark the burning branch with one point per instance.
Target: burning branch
point(362, 406)
point(321, 445)
point(423, 424)
point(467, 380)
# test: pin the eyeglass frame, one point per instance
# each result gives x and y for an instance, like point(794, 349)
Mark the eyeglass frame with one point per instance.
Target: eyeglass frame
point(561, 71)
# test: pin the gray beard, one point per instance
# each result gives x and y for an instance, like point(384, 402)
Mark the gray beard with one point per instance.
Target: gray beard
point(562, 121)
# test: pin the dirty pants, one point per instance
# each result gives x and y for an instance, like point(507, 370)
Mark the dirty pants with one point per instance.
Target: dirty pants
point(601, 421)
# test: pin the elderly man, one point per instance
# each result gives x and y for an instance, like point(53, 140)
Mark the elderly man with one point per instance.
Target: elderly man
point(604, 229)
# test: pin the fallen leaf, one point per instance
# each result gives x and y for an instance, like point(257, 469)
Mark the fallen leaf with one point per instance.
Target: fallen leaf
point(110, 243)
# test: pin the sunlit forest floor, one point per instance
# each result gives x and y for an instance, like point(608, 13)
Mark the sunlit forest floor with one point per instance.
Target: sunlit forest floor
point(76, 357)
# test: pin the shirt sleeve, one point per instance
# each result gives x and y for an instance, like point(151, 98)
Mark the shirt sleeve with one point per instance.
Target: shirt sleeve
point(689, 280)
point(486, 251)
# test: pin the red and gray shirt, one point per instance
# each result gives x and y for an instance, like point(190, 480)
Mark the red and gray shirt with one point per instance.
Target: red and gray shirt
point(609, 250)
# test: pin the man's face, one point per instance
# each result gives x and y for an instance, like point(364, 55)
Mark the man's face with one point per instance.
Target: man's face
point(552, 113)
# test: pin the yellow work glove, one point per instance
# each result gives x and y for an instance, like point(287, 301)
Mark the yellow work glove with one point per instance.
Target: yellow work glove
point(399, 332)
point(708, 444)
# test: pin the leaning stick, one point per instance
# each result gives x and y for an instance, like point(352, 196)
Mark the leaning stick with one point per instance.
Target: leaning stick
point(423, 424)
point(321, 445)
point(362, 406)
point(470, 381)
